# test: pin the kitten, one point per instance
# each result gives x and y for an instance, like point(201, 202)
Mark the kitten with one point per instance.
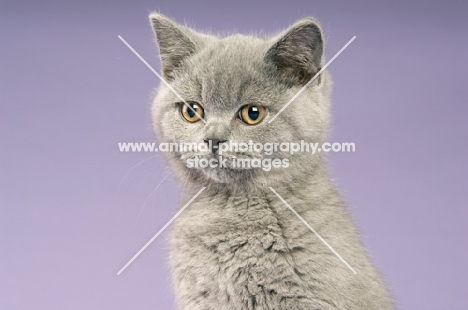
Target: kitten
point(237, 246)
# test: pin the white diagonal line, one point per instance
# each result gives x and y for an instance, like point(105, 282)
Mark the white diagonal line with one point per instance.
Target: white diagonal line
point(311, 80)
point(162, 229)
point(161, 78)
point(313, 230)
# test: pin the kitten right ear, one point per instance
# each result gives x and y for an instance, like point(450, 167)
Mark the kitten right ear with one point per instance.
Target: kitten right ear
point(297, 54)
point(175, 43)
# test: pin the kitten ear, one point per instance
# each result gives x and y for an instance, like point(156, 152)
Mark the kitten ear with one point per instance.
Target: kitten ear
point(297, 54)
point(175, 42)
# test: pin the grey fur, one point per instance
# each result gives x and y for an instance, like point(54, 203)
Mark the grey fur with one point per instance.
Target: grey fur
point(237, 246)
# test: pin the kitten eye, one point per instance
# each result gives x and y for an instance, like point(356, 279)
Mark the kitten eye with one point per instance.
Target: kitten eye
point(190, 114)
point(252, 114)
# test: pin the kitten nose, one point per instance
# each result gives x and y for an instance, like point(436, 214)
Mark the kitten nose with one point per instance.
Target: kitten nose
point(214, 144)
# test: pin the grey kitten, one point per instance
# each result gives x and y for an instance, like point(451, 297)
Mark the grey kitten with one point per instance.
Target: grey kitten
point(237, 246)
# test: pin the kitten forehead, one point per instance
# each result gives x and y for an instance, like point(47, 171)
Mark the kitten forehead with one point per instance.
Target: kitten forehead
point(231, 71)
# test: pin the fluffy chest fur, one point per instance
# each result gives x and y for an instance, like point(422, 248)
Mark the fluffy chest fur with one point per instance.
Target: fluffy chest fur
point(239, 258)
point(253, 253)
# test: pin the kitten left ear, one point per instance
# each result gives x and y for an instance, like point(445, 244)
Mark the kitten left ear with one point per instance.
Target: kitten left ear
point(298, 53)
point(175, 42)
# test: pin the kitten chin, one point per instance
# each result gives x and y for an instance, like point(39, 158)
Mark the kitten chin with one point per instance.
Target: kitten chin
point(225, 176)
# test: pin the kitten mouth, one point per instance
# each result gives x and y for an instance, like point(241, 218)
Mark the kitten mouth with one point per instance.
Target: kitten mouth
point(214, 161)
point(222, 168)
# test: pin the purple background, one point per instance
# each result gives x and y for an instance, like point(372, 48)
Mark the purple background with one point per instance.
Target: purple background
point(70, 90)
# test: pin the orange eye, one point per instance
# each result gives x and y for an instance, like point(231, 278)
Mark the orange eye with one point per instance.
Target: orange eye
point(189, 113)
point(252, 114)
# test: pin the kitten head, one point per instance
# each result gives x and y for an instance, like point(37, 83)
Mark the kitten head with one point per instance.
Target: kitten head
point(234, 86)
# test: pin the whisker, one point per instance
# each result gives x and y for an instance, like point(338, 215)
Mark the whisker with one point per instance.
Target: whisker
point(183, 188)
point(151, 194)
point(133, 167)
point(136, 177)
point(147, 173)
